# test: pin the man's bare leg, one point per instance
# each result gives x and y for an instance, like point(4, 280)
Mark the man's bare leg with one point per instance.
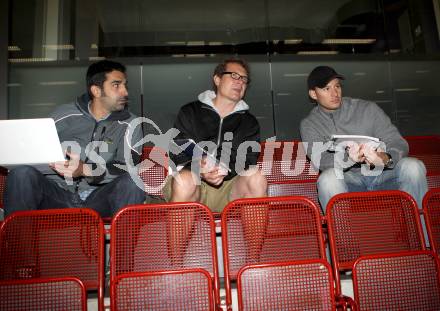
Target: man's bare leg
point(183, 189)
point(254, 218)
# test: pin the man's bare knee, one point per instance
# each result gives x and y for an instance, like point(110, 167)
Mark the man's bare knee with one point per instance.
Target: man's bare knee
point(257, 184)
point(184, 187)
point(250, 186)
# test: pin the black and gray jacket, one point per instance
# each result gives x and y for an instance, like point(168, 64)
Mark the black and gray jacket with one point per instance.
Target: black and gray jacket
point(354, 117)
point(200, 121)
point(75, 124)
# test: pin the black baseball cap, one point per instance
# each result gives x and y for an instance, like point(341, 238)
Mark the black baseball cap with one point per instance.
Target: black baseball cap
point(321, 75)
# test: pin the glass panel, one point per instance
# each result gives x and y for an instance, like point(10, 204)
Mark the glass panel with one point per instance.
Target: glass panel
point(259, 95)
point(86, 29)
point(177, 45)
point(35, 91)
point(169, 84)
point(412, 26)
point(367, 80)
point(416, 93)
point(181, 27)
point(326, 27)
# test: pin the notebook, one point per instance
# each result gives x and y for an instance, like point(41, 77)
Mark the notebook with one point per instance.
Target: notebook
point(195, 152)
point(29, 141)
point(373, 142)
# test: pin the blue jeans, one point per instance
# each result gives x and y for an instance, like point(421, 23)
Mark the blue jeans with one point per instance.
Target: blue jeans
point(28, 189)
point(408, 175)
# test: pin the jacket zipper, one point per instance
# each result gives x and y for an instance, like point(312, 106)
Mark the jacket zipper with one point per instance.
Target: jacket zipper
point(219, 127)
point(219, 133)
point(87, 156)
point(91, 139)
point(334, 123)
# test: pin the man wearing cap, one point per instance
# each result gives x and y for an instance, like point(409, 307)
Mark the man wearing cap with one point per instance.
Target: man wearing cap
point(355, 166)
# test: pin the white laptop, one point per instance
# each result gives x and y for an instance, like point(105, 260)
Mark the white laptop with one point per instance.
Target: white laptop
point(29, 141)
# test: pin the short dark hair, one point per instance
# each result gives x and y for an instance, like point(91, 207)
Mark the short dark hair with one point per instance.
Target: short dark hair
point(96, 73)
point(221, 68)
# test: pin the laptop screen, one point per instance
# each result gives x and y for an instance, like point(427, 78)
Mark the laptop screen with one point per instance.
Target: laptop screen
point(29, 141)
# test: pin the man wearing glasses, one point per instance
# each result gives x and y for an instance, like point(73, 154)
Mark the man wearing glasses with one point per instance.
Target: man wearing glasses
point(220, 121)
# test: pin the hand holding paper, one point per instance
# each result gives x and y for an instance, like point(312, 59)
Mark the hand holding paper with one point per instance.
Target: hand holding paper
point(211, 173)
point(211, 164)
point(193, 150)
point(376, 157)
point(355, 152)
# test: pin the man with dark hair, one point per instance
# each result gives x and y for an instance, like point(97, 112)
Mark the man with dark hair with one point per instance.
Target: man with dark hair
point(356, 166)
point(97, 73)
point(96, 130)
point(220, 119)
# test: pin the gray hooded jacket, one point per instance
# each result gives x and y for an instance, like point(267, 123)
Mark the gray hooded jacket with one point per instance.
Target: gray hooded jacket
point(354, 117)
point(101, 143)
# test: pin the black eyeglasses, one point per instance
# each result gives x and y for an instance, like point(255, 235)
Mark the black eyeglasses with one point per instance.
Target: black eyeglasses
point(237, 76)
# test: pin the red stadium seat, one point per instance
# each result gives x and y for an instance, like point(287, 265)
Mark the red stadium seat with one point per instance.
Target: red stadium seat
point(287, 169)
point(369, 223)
point(189, 289)
point(164, 237)
point(427, 149)
point(267, 230)
point(431, 210)
point(419, 145)
point(433, 181)
point(306, 188)
point(295, 286)
point(153, 169)
point(398, 282)
point(285, 160)
point(54, 243)
point(56, 294)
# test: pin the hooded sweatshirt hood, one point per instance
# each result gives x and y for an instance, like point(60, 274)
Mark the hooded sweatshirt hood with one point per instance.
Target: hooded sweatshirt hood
point(83, 105)
point(208, 96)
